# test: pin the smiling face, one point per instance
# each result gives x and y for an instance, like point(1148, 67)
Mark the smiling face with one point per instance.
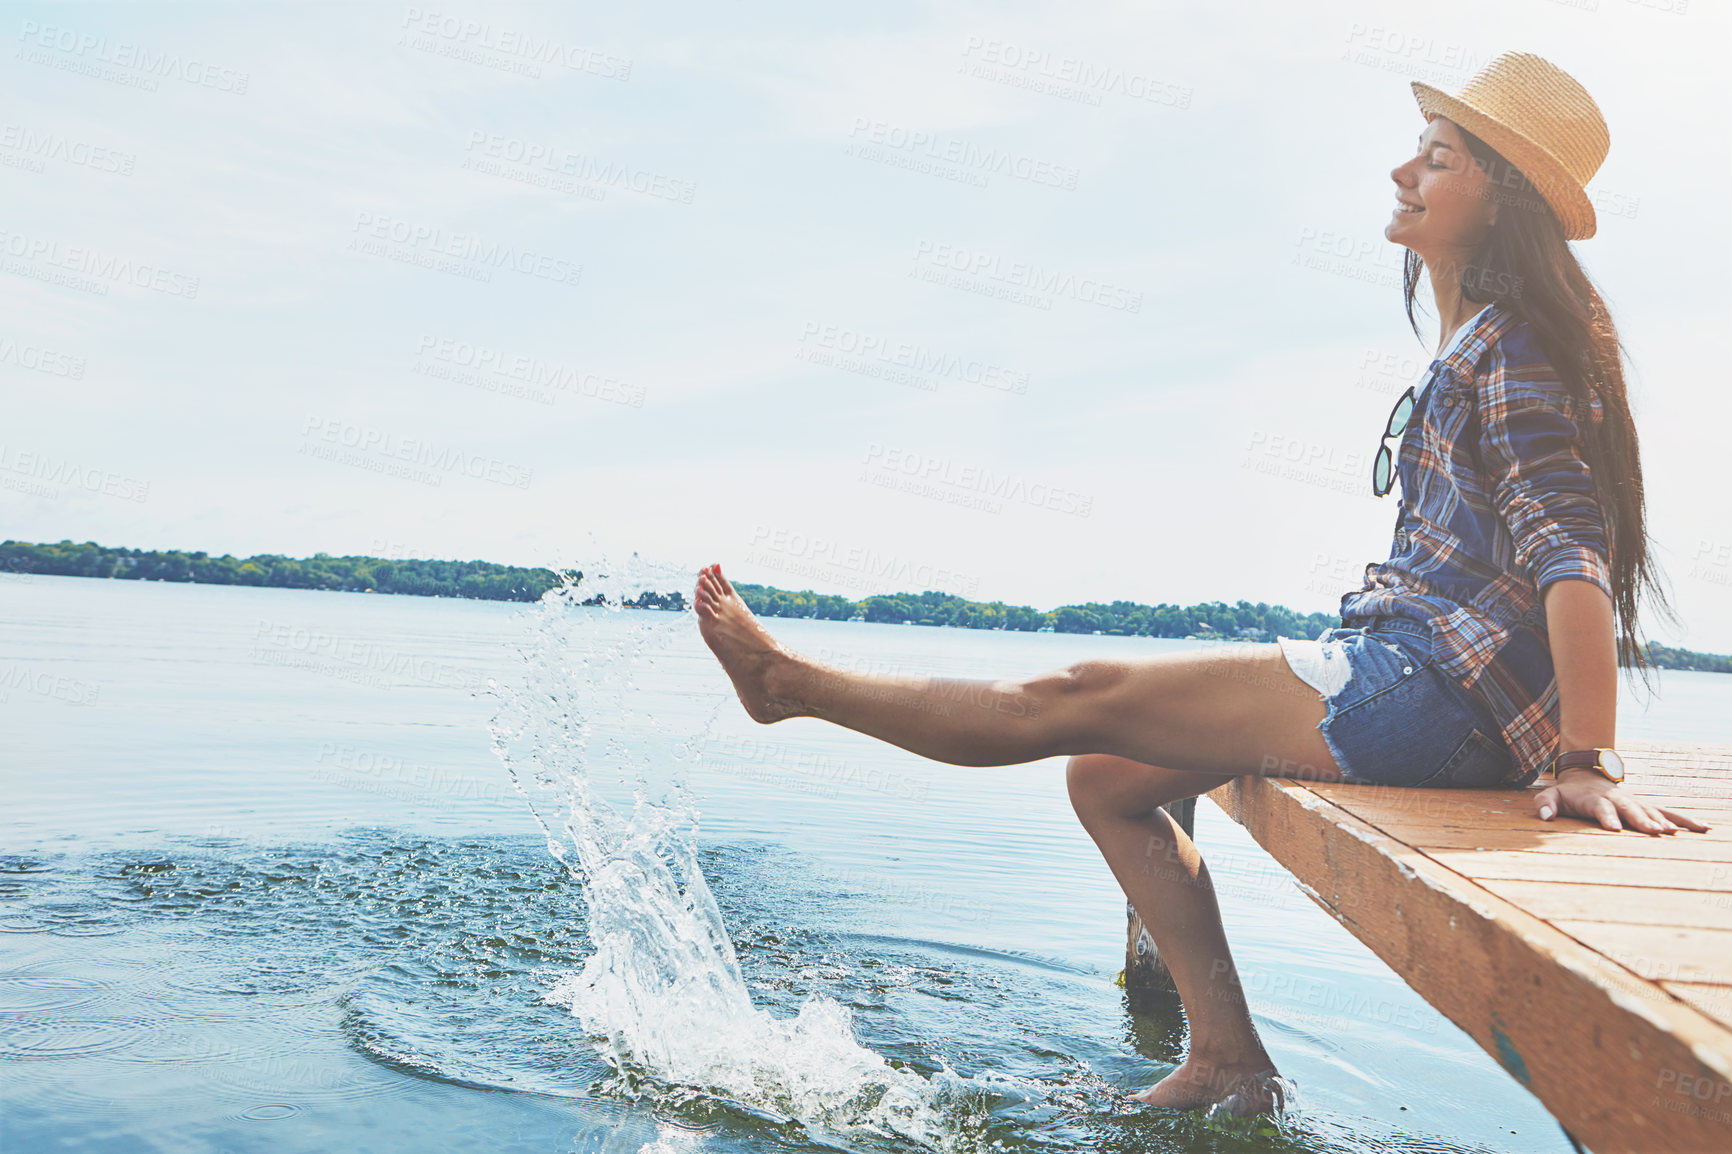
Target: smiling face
point(1444, 202)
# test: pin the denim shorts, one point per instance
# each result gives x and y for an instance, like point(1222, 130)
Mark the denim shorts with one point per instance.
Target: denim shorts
point(1392, 717)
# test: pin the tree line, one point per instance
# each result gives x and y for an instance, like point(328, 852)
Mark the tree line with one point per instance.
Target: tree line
point(484, 580)
point(1242, 619)
point(480, 580)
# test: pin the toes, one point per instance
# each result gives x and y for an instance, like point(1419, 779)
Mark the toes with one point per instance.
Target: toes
point(706, 592)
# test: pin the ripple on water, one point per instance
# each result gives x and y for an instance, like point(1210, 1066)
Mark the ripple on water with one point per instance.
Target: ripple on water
point(273, 1112)
point(16, 864)
point(65, 919)
point(56, 1038)
point(284, 983)
point(87, 928)
point(34, 993)
point(323, 1076)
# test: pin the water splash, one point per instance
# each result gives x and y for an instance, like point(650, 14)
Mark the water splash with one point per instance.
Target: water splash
point(662, 996)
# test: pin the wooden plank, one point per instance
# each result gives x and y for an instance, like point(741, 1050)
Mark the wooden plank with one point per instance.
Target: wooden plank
point(1660, 953)
point(1715, 1001)
point(1711, 755)
point(1425, 804)
point(1520, 865)
point(1694, 750)
point(1589, 841)
point(1681, 785)
point(1712, 810)
point(1465, 804)
point(1711, 781)
point(1558, 1016)
point(1637, 905)
point(1578, 833)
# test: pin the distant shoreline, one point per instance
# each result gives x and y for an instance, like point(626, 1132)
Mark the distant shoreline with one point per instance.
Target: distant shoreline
point(486, 581)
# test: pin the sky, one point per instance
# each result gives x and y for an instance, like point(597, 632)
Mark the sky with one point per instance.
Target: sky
point(1024, 302)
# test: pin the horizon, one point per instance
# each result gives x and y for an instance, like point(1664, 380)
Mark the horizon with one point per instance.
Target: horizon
point(856, 601)
point(485, 561)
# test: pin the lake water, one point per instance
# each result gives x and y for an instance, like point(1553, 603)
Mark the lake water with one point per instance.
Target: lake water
point(265, 886)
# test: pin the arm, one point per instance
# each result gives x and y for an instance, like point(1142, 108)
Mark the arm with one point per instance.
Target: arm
point(1546, 497)
point(1585, 656)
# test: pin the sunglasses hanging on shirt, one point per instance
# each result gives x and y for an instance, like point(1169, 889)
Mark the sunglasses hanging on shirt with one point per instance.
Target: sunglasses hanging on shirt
point(1383, 468)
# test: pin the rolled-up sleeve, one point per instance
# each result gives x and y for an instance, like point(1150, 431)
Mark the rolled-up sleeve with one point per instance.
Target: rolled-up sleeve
point(1541, 486)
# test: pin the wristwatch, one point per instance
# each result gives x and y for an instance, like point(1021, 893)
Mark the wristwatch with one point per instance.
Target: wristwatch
point(1606, 762)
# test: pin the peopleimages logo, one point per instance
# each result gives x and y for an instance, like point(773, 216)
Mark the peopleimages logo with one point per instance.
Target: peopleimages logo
point(61, 688)
point(373, 232)
point(966, 156)
point(811, 555)
point(326, 437)
point(926, 470)
point(43, 254)
point(22, 470)
point(1068, 76)
point(919, 359)
point(533, 372)
point(578, 166)
point(40, 359)
point(119, 53)
point(1024, 276)
point(41, 146)
point(456, 32)
point(355, 658)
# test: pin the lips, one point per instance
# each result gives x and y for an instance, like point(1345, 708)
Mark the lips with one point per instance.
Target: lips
point(1401, 206)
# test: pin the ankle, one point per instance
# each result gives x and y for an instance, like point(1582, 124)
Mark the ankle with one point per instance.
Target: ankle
point(1249, 1061)
point(788, 682)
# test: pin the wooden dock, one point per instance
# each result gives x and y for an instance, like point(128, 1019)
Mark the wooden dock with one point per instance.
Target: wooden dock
point(1595, 967)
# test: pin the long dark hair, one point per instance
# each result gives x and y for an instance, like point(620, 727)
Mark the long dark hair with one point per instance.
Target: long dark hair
point(1524, 264)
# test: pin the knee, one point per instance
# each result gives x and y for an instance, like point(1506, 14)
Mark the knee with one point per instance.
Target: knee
point(1089, 779)
point(1084, 677)
point(1078, 701)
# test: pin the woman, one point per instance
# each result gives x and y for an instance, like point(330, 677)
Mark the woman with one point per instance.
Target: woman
point(1481, 653)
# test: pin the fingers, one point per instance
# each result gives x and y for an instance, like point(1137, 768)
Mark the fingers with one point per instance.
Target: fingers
point(1606, 813)
point(1640, 817)
point(1616, 811)
point(1683, 819)
point(1657, 818)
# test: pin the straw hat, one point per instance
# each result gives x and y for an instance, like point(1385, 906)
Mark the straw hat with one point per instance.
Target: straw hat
point(1540, 120)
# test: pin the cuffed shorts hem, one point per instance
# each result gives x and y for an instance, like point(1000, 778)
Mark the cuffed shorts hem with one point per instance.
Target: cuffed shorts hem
point(1397, 719)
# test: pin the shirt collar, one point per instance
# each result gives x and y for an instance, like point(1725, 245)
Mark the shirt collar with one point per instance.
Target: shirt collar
point(1480, 334)
point(1461, 334)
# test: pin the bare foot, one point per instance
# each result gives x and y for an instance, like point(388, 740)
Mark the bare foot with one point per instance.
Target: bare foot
point(1236, 1091)
point(763, 673)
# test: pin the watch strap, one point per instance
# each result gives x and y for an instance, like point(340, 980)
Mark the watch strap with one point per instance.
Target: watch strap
point(1581, 759)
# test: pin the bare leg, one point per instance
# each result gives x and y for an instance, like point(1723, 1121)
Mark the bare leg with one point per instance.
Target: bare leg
point(1144, 732)
point(1233, 711)
point(1164, 877)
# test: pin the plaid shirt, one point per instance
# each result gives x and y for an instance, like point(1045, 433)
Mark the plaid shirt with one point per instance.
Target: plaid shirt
point(1496, 505)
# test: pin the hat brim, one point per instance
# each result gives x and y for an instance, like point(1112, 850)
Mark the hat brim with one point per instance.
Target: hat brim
point(1568, 200)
